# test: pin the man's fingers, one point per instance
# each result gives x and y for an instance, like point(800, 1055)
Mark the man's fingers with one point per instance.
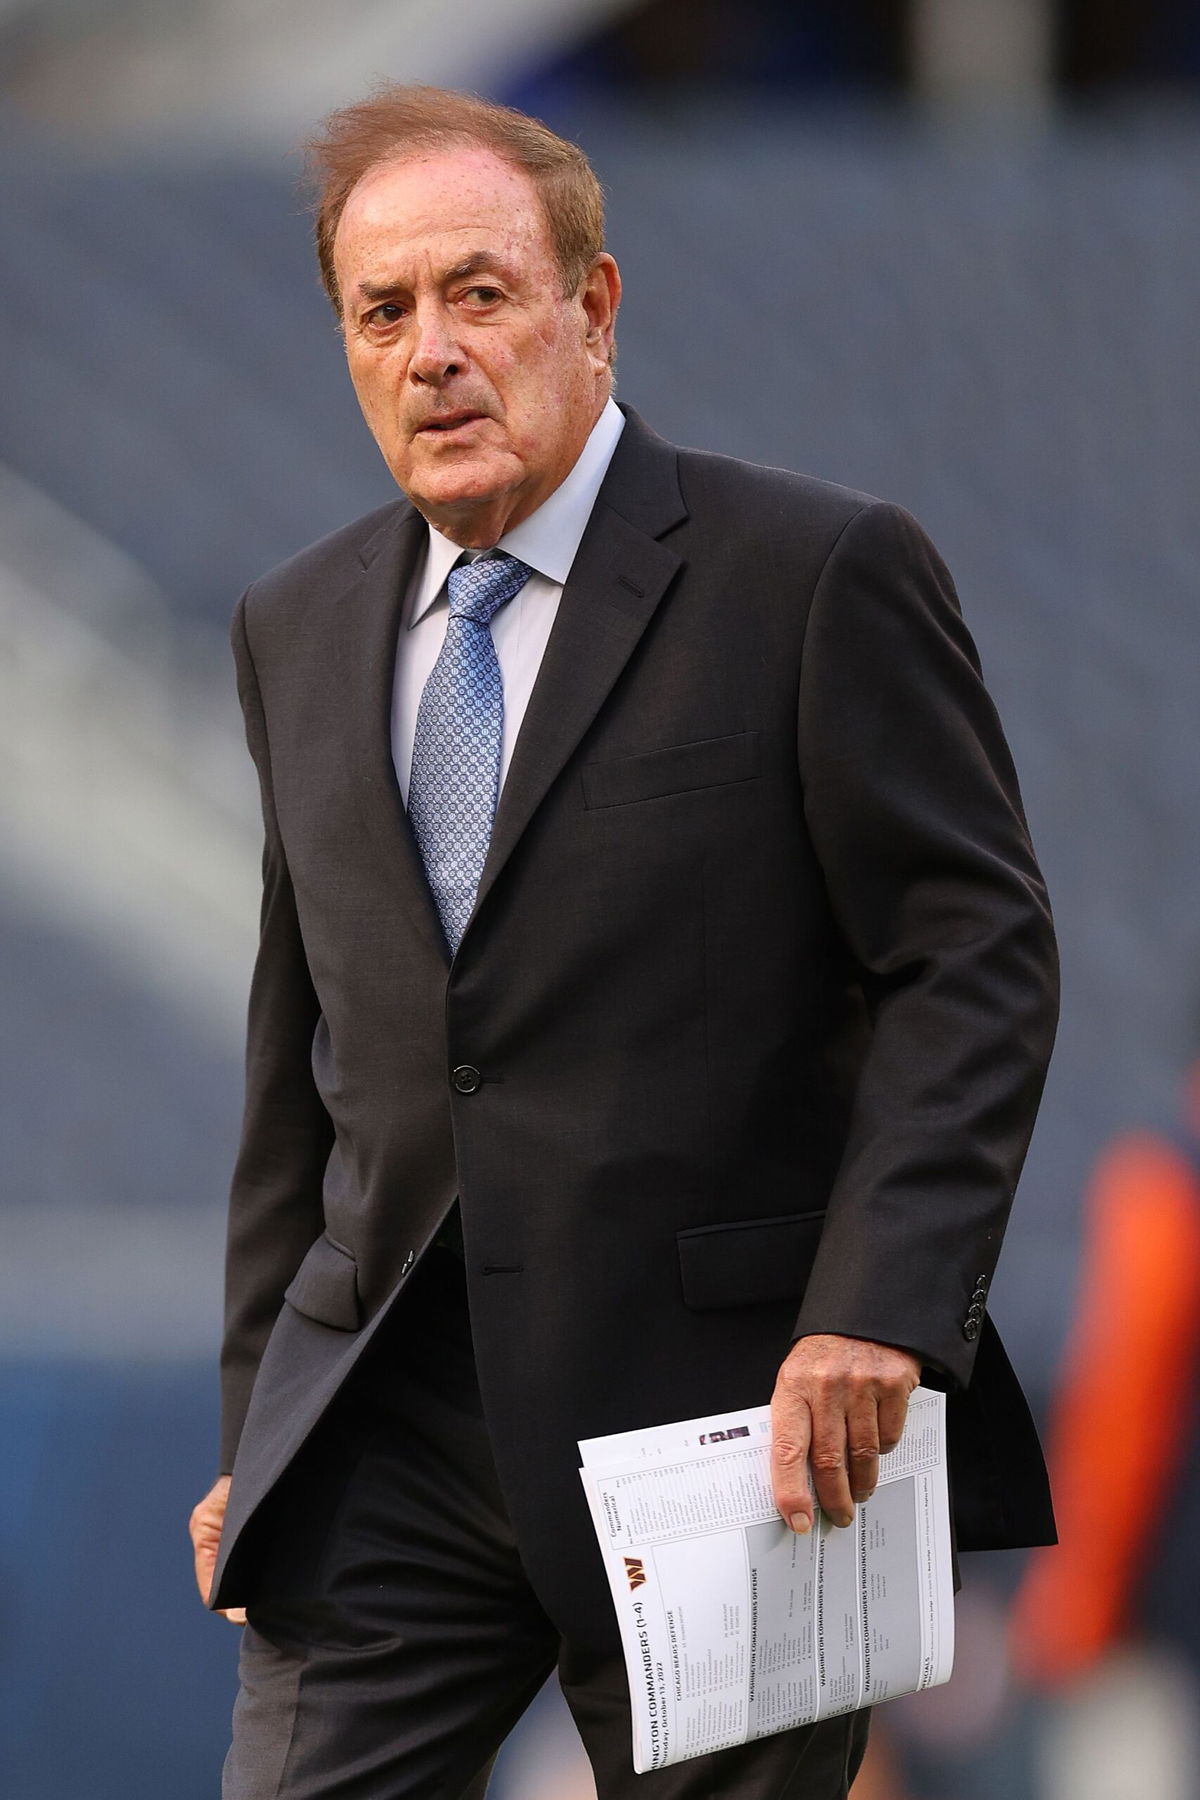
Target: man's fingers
point(893, 1410)
point(842, 1401)
point(235, 1614)
point(791, 1430)
point(831, 1474)
point(863, 1435)
point(204, 1527)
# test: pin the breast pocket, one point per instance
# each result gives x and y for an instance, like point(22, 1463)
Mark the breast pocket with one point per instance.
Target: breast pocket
point(676, 769)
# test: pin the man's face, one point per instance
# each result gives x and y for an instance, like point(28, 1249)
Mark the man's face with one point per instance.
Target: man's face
point(480, 380)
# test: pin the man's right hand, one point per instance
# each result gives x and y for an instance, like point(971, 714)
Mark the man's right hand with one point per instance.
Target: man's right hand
point(205, 1526)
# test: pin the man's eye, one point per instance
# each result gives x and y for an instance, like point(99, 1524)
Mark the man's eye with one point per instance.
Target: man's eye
point(483, 296)
point(387, 314)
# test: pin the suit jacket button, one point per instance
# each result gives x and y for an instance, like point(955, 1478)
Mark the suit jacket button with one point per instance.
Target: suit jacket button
point(466, 1079)
point(970, 1330)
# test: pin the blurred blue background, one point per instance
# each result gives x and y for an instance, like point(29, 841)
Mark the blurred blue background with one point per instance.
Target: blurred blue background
point(944, 250)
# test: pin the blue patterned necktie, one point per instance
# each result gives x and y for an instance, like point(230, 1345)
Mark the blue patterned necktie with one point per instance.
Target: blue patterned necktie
point(456, 748)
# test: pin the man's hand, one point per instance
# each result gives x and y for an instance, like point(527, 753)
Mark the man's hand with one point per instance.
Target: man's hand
point(839, 1402)
point(205, 1526)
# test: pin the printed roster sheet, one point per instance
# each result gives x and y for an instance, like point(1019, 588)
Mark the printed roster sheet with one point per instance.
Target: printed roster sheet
point(732, 1626)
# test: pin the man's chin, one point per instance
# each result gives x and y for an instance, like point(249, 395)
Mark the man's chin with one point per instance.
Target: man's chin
point(460, 487)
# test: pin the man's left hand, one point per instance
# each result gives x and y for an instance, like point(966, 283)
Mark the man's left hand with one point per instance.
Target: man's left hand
point(839, 1402)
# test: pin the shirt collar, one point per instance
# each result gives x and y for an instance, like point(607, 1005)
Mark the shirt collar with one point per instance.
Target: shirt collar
point(548, 539)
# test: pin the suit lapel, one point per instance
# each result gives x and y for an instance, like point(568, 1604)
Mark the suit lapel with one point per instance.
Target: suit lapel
point(368, 628)
point(618, 578)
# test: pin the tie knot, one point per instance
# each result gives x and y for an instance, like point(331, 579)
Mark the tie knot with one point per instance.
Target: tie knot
point(478, 590)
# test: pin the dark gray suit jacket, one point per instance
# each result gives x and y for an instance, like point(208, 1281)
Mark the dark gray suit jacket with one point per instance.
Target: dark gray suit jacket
point(744, 1039)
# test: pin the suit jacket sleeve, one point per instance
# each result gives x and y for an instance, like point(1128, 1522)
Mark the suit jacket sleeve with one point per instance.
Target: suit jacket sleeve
point(913, 806)
point(275, 1210)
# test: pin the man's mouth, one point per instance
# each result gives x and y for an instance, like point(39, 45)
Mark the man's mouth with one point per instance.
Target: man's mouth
point(450, 422)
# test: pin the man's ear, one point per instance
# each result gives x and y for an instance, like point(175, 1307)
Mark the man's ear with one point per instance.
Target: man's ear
point(600, 296)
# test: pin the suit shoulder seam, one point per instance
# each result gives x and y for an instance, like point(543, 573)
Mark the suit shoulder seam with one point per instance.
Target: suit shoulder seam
point(868, 505)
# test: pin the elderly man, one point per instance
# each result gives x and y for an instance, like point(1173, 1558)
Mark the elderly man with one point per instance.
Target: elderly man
point(653, 1001)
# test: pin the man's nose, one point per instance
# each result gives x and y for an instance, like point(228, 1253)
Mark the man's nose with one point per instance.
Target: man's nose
point(437, 354)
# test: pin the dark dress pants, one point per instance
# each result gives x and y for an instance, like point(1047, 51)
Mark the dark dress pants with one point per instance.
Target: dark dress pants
point(396, 1639)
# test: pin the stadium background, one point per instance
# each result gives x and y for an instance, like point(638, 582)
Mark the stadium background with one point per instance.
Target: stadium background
point(944, 250)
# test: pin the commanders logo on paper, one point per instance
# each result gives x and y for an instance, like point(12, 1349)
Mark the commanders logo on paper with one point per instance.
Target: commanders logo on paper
point(636, 1571)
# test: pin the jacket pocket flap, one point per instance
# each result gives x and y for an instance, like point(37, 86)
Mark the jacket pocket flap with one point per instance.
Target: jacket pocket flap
point(675, 770)
point(746, 1264)
point(325, 1286)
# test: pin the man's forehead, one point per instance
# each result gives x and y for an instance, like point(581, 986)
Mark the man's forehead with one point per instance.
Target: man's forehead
point(463, 193)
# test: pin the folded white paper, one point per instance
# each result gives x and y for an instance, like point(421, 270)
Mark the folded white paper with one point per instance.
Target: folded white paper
point(732, 1626)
